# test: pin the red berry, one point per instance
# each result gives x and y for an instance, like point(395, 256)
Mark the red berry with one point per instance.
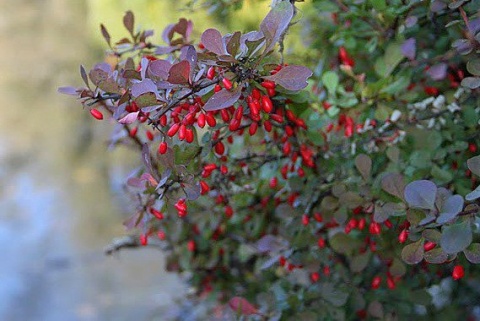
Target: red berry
point(315, 276)
point(204, 188)
point(321, 243)
point(376, 281)
point(211, 73)
point(273, 182)
point(156, 213)
point(428, 246)
point(161, 235)
point(191, 245)
point(458, 272)
point(267, 104)
point(228, 211)
point(201, 120)
point(173, 130)
point(97, 114)
point(282, 260)
point(133, 132)
point(472, 148)
point(162, 148)
point(253, 128)
point(305, 219)
point(402, 237)
point(143, 239)
point(150, 135)
point(227, 83)
point(219, 148)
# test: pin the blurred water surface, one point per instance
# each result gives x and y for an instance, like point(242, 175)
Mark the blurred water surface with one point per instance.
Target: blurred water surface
point(57, 209)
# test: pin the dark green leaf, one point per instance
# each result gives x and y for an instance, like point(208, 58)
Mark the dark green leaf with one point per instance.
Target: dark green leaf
point(473, 67)
point(359, 262)
point(456, 237)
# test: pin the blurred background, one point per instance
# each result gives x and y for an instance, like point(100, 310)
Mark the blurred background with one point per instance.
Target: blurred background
point(61, 197)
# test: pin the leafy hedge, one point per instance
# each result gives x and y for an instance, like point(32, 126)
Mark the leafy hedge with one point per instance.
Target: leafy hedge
point(341, 189)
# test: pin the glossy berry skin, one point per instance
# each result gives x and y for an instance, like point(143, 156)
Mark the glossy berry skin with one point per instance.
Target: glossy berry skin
point(162, 148)
point(376, 282)
point(458, 272)
point(97, 114)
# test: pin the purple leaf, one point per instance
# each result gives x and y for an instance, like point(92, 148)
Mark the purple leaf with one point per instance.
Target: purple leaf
point(438, 71)
point(134, 221)
point(271, 243)
point(182, 27)
point(68, 91)
point(474, 26)
point(160, 68)
point(291, 77)
point(149, 178)
point(474, 165)
point(276, 23)
point(145, 86)
point(393, 184)
point(212, 40)
point(146, 158)
point(163, 50)
point(105, 34)
point(136, 182)
point(179, 74)
point(452, 206)
point(421, 194)
point(250, 37)
point(413, 253)
point(411, 21)
point(242, 306)
point(188, 53)
point(128, 21)
point(83, 73)
point(192, 191)
point(223, 99)
point(409, 48)
point(129, 118)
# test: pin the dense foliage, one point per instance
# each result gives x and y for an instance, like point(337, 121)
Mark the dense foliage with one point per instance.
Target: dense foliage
point(342, 191)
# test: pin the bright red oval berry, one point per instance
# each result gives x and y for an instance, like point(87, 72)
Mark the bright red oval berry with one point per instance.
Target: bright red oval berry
point(133, 132)
point(97, 114)
point(227, 83)
point(157, 214)
point(191, 245)
point(266, 104)
point(428, 246)
point(273, 182)
point(315, 276)
point(162, 148)
point(219, 148)
point(173, 130)
point(143, 239)
point(211, 73)
point(228, 211)
point(402, 237)
point(204, 188)
point(376, 281)
point(305, 219)
point(458, 272)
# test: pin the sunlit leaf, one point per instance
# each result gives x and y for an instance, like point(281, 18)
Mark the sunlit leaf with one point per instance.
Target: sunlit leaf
point(223, 99)
point(179, 73)
point(291, 77)
point(212, 40)
point(129, 118)
point(276, 23)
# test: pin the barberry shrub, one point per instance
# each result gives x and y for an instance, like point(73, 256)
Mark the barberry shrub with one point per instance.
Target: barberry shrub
point(345, 193)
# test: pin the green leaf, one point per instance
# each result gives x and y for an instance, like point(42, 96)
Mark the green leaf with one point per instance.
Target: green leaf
point(330, 81)
point(375, 309)
point(442, 176)
point(413, 253)
point(385, 65)
point(471, 82)
point(473, 67)
point(456, 237)
point(342, 243)
point(378, 5)
point(472, 253)
point(333, 294)
point(359, 262)
point(397, 268)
